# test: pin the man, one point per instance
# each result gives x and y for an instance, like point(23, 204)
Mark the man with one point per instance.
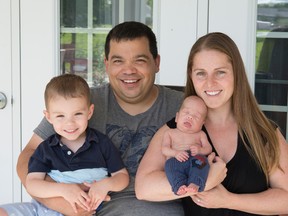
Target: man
point(129, 110)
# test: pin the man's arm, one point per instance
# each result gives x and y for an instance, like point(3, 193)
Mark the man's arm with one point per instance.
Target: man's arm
point(23, 159)
point(58, 203)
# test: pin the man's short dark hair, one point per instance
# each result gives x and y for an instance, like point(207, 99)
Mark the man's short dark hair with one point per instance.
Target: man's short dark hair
point(129, 31)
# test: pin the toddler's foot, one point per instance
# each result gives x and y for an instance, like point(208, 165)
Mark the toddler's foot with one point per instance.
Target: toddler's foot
point(182, 190)
point(192, 188)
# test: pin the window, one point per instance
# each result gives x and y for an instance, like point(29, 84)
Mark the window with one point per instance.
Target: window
point(84, 25)
point(271, 78)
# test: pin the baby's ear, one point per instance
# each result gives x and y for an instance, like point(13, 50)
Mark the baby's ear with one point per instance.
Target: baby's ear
point(176, 117)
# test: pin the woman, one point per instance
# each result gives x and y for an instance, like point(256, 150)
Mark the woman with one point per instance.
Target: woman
point(253, 148)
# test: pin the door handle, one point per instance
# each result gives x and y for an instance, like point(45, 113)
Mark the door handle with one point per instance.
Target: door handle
point(3, 100)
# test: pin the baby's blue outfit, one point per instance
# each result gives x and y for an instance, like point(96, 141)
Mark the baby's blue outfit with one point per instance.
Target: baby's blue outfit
point(194, 170)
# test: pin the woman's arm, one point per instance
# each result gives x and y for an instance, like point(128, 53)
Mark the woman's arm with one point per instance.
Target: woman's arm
point(151, 182)
point(270, 202)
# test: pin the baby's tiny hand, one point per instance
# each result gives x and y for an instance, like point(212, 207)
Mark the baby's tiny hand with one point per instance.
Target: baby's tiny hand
point(194, 149)
point(182, 156)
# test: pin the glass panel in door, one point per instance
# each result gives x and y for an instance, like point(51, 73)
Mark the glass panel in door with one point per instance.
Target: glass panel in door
point(271, 78)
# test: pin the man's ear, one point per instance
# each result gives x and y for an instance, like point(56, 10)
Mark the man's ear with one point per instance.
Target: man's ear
point(157, 62)
point(106, 65)
point(91, 110)
point(47, 116)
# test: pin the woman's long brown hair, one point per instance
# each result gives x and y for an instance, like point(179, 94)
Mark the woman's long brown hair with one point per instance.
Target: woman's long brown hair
point(260, 133)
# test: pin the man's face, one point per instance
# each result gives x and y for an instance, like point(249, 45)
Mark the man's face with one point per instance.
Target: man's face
point(131, 69)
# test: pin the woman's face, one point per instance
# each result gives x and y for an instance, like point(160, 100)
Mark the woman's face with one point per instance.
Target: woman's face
point(213, 78)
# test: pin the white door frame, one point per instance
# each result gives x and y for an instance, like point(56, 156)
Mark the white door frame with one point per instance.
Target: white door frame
point(10, 116)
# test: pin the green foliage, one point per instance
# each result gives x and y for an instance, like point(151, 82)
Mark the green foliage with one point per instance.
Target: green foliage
point(259, 44)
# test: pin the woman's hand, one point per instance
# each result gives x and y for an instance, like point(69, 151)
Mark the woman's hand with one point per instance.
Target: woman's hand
point(217, 171)
point(217, 197)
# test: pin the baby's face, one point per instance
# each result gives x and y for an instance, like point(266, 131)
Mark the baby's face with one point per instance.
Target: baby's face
point(191, 116)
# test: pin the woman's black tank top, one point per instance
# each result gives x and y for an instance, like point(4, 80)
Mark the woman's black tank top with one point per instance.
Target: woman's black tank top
point(243, 176)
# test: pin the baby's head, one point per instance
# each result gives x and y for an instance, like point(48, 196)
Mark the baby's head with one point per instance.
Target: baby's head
point(195, 104)
point(192, 114)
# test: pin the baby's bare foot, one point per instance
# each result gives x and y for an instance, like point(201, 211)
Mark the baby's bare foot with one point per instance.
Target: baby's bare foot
point(182, 190)
point(192, 188)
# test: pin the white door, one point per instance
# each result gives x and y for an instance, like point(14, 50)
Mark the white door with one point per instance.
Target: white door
point(9, 112)
point(39, 61)
point(28, 61)
point(5, 107)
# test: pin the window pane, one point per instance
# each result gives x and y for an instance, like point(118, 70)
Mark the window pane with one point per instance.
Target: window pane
point(84, 26)
point(271, 78)
point(99, 75)
point(74, 47)
point(102, 11)
point(73, 13)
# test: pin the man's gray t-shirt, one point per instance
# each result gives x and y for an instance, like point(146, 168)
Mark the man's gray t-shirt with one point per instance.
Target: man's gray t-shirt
point(131, 135)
